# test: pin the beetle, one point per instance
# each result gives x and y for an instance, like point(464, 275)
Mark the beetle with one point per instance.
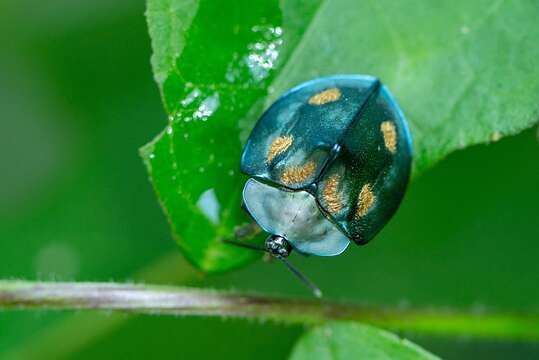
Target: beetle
point(329, 163)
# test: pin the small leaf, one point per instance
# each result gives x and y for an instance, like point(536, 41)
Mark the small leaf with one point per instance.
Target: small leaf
point(464, 72)
point(342, 340)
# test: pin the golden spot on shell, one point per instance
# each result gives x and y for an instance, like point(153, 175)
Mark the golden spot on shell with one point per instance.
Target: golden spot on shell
point(365, 200)
point(298, 174)
point(331, 194)
point(278, 146)
point(326, 96)
point(390, 135)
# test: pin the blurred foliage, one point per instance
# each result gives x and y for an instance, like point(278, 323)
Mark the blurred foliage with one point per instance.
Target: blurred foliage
point(78, 99)
point(217, 67)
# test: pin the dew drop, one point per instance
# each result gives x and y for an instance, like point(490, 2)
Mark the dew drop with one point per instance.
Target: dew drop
point(207, 107)
point(263, 54)
point(191, 97)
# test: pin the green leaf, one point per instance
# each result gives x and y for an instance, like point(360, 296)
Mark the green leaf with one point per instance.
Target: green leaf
point(464, 73)
point(214, 65)
point(342, 340)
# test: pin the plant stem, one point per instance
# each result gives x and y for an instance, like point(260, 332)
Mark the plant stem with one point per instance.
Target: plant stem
point(163, 300)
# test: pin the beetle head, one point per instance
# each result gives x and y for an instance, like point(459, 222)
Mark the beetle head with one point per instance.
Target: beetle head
point(278, 246)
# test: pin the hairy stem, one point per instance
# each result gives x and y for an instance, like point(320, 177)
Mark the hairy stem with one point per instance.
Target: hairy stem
point(151, 299)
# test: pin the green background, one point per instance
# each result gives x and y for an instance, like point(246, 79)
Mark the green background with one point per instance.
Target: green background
point(77, 100)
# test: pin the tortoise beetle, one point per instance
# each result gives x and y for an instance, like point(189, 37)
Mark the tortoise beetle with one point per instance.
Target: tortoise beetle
point(328, 162)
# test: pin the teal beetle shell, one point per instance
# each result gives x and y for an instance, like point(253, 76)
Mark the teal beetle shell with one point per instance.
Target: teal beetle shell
point(343, 143)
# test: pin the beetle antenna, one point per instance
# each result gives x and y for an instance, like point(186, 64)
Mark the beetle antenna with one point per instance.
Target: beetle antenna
point(304, 279)
point(245, 245)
